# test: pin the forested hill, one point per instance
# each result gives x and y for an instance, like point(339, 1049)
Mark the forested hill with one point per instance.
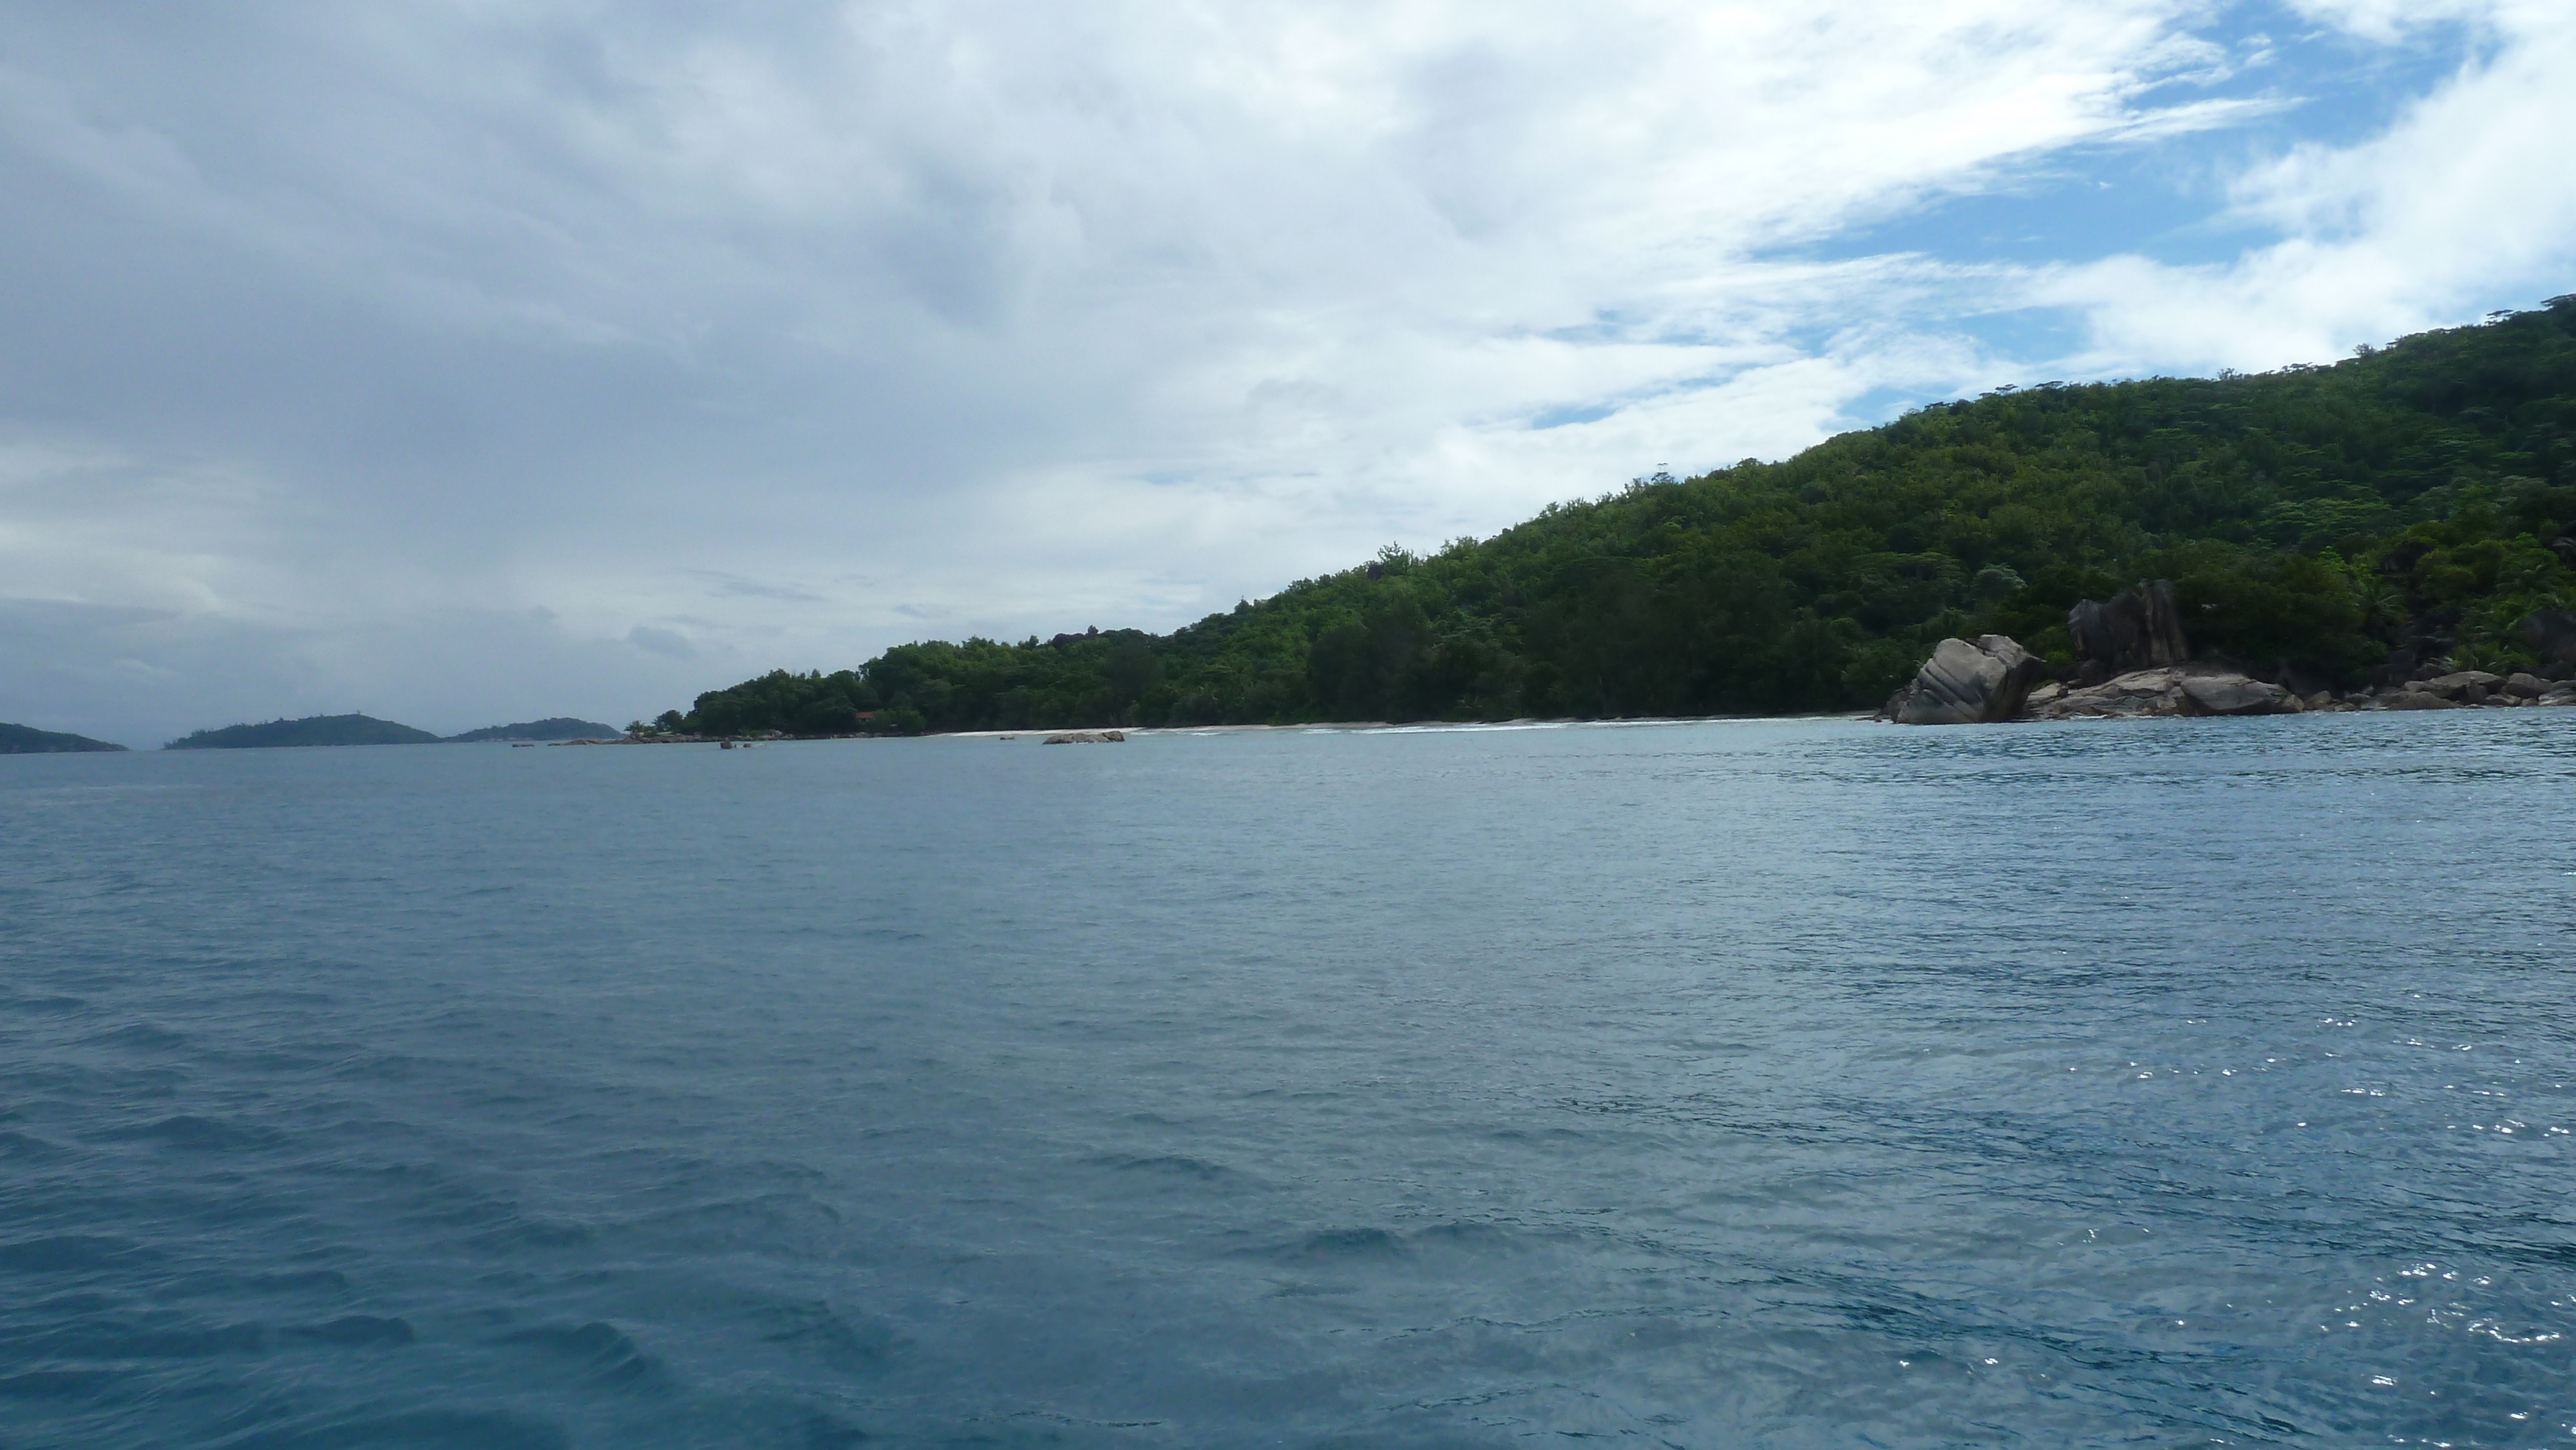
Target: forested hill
point(27, 740)
point(553, 727)
point(2313, 519)
point(311, 730)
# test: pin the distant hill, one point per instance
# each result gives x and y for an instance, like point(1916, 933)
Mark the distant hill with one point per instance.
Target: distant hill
point(23, 740)
point(560, 727)
point(313, 730)
point(2413, 505)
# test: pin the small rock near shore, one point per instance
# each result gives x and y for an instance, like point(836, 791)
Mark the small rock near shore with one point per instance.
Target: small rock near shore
point(2416, 700)
point(2236, 695)
point(1968, 684)
point(2457, 684)
point(2184, 689)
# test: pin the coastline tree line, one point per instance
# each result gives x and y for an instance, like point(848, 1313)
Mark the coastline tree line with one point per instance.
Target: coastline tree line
point(2411, 503)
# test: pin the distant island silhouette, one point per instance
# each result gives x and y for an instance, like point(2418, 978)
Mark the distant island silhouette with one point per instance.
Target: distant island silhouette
point(27, 740)
point(556, 727)
point(368, 730)
point(312, 730)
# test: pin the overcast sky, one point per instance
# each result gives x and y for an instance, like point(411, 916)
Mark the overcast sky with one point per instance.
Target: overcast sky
point(471, 362)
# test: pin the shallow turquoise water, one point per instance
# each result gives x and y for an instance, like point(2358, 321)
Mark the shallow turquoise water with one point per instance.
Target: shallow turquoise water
point(1787, 1084)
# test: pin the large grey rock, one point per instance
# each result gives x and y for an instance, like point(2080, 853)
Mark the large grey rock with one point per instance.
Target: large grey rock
point(1087, 737)
point(2137, 693)
point(2525, 686)
point(2551, 633)
point(2138, 628)
point(2417, 700)
point(2184, 689)
point(2457, 683)
point(1968, 684)
point(2236, 695)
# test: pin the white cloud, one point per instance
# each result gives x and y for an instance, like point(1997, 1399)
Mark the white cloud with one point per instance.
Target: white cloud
point(2461, 205)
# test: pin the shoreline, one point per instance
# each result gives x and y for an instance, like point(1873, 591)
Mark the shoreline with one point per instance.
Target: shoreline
point(1038, 734)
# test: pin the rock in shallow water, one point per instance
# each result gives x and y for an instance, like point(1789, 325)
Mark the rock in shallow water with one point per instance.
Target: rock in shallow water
point(2458, 683)
point(2139, 692)
point(1967, 684)
point(2172, 690)
point(2236, 695)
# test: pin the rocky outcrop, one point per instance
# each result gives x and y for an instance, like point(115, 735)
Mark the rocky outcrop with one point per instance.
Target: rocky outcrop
point(2464, 689)
point(2414, 700)
point(1967, 684)
point(2237, 695)
point(2171, 690)
point(2137, 693)
point(2551, 633)
point(1994, 679)
point(2138, 628)
point(1088, 737)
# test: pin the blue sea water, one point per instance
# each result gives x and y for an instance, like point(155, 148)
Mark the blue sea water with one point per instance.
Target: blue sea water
point(1803, 1083)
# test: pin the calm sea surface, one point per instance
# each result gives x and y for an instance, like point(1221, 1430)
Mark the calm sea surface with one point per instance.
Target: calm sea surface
point(1740, 1084)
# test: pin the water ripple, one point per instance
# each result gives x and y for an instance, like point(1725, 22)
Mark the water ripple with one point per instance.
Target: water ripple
point(1741, 1083)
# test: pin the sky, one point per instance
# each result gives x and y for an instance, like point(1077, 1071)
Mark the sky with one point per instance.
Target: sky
point(472, 362)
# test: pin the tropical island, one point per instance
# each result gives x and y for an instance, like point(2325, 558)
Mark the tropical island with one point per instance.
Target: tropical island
point(312, 730)
point(316, 730)
point(2403, 513)
point(27, 740)
point(551, 730)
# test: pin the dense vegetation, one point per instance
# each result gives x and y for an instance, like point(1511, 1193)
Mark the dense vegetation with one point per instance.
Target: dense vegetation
point(2317, 521)
point(312, 730)
point(28, 740)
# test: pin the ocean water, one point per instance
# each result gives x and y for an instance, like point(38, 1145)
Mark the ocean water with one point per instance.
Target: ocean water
point(1803, 1083)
